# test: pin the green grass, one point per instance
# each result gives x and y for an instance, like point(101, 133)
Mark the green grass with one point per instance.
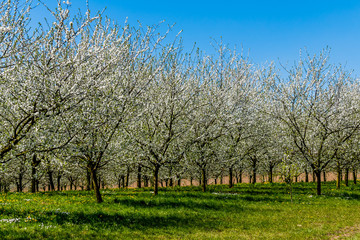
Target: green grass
point(263, 211)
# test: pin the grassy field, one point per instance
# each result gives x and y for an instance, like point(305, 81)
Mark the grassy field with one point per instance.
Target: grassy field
point(263, 211)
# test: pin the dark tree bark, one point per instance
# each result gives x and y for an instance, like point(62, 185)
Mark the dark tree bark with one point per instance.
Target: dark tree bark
point(139, 177)
point(162, 182)
point(20, 183)
point(156, 179)
point(59, 182)
point(354, 175)
point(37, 183)
point(203, 179)
point(123, 181)
point(88, 180)
point(318, 188)
point(230, 177)
point(146, 181)
point(271, 168)
point(171, 183)
point(119, 182)
point(34, 163)
point(127, 176)
point(347, 177)
point(179, 181)
point(96, 185)
point(306, 176)
point(240, 176)
point(314, 176)
point(339, 177)
point(254, 161)
point(51, 181)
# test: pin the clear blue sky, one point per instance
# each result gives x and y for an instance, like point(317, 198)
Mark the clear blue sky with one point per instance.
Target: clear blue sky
point(272, 30)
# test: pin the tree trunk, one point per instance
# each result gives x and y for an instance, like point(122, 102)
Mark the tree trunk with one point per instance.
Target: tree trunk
point(306, 176)
point(271, 174)
point(88, 180)
point(34, 164)
point(171, 183)
point(51, 181)
point(338, 179)
point(230, 177)
point(354, 175)
point(37, 185)
point(123, 181)
point(254, 175)
point(203, 179)
point(20, 182)
point(119, 182)
point(96, 186)
point(314, 177)
point(33, 179)
point(318, 188)
point(240, 176)
point(151, 182)
point(324, 176)
point(59, 182)
point(347, 177)
point(254, 163)
point(146, 181)
point(139, 177)
point(127, 177)
point(179, 181)
point(156, 180)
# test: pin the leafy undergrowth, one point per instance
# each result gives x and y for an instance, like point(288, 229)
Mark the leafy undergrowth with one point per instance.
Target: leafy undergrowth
point(260, 211)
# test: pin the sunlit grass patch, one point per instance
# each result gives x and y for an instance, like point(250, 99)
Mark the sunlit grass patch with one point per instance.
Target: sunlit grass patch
point(263, 211)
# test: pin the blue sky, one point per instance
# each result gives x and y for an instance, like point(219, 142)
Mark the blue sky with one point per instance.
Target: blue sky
point(273, 30)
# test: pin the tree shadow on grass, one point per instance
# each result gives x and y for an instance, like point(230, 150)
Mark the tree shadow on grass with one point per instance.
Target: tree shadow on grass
point(194, 202)
point(101, 224)
point(344, 195)
point(164, 212)
point(139, 220)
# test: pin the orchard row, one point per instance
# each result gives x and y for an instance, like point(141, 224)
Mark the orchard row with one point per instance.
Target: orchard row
point(85, 102)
